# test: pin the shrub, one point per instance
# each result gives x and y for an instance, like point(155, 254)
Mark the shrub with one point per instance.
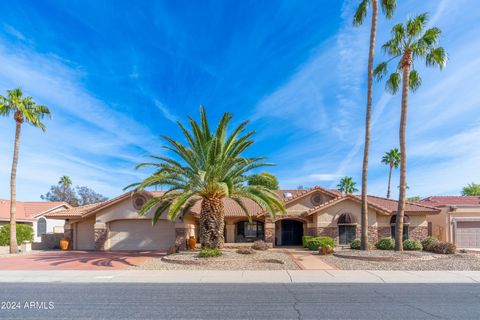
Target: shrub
point(305, 240)
point(385, 244)
point(355, 245)
point(209, 252)
point(260, 245)
point(412, 245)
point(428, 243)
point(24, 233)
point(444, 247)
point(245, 251)
point(318, 242)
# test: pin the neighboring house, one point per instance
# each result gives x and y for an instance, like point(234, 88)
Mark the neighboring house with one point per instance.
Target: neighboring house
point(458, 221)
point(116, 225)
point(33, 214)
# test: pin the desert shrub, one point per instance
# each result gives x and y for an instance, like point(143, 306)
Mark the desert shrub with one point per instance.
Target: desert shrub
point(428, 243)
point(209, 252)
point(385, 244)
point(412, 245)
point(245, 251)
point(318, 242)
point(444, 247)
point(305, 240)
point(355, 245)
point(260, 245)
point(24, 233)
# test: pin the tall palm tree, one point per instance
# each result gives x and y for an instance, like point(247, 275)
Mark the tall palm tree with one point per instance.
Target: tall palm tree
point(65, 182)
point(23, 109)
point(347, 185)
point(209, 168)
point(410, 42)
point(388, 7)
point(392, 159)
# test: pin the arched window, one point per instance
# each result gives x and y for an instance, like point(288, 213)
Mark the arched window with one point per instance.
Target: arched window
point(347, 228)
point(406, 223)
point(41, 226)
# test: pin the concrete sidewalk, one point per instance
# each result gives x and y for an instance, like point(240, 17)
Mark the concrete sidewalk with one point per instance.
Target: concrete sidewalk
point(212, 276)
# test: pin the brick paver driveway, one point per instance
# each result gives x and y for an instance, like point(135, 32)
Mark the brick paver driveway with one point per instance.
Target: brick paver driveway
point(76, 260)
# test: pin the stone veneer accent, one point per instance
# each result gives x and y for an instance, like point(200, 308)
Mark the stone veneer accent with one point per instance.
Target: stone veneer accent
point(383, 232)
point(328, 231)
point(311, 231)
point(372, 234)
point(270, 235)
point(418, 233)
point(181, 238)
point(100, 238)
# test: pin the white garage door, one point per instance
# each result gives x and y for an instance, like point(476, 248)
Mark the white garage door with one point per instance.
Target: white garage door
point(141, 235)
point(468, 234)
point(85, 238)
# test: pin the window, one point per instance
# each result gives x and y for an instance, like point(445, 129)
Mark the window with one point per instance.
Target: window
point(41, 226)
point(249, 231)
point(405, 232)
point(346, 233)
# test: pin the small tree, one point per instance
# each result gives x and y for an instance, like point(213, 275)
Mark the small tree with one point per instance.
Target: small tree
point(347, 185)
point(265, 179)
point(471, 189)
point(85, 196)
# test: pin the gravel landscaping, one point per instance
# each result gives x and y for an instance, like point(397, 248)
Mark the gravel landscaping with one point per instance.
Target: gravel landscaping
point(230, 260)
point(411, 260)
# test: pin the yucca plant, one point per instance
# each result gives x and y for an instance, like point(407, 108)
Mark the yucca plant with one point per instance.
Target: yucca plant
point(23, 109)
point(410, 42)
point(208, 168)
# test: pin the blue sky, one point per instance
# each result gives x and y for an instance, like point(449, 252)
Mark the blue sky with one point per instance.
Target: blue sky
point(117, 74)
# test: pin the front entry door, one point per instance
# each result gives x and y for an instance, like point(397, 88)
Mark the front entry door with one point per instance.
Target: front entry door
point(292, 233)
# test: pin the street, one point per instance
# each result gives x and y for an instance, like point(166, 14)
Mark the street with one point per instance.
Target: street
point(239, 301)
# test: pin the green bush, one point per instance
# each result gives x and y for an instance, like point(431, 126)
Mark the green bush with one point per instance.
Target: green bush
point(209, 252)
point(24, 233)
point(305, 240)
point(317, 242)
point(385, 244)
point(444, 247)
point(412, 245)
point(428, 243)
point(355, 245)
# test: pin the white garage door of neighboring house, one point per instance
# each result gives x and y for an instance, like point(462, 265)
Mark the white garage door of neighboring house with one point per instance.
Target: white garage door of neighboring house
point(468, 234)
point(141, 235)
point(85, 235)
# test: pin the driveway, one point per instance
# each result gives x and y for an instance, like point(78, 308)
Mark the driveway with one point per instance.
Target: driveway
point(76, 260)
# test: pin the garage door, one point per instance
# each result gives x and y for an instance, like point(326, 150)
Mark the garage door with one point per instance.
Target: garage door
point(468, 234)
point(85, 235)
point(141, 235)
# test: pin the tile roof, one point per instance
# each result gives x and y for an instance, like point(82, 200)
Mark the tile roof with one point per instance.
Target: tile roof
point(26, 211)
point(439, 201)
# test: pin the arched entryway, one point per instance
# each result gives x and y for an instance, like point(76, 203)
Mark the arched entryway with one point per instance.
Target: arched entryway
point(290, 232)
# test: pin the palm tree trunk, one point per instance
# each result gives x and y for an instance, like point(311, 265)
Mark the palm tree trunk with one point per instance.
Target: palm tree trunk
point(212, 223)
point(403, 151)
point(389, 181)
point(13, 193)
point(371, 52)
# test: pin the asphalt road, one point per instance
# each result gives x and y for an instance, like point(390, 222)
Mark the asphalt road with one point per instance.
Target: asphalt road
point(239, 301)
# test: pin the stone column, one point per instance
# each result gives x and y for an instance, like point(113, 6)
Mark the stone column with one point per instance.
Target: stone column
point(270, 233)
point(311, 229)
point(181, 236)
point(101, 234)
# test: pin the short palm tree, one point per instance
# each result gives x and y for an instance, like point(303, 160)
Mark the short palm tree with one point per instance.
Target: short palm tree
point(23, 109)
point(347, 185)
point(65, 182)
point(388, 7)
point(409, 42)
point(392, 159)
point(209, 168)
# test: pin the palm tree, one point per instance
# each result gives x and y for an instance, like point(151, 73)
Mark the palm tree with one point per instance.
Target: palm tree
point(409, 42)
point(388, 7)
point(211, 167)
point(391, 158)
point(65, 182)
point(347, 185)
point(23, 109)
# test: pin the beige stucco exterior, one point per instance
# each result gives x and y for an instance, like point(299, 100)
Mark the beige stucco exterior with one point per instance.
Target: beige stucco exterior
point(443, 224)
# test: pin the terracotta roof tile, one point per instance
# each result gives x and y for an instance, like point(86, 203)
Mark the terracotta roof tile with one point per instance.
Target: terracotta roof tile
point(439, 201)
point(26, 211)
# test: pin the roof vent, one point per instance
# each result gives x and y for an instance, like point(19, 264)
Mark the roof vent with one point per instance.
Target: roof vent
point(287, 195)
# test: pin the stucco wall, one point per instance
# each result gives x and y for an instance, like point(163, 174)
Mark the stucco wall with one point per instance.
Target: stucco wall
point(329, 216)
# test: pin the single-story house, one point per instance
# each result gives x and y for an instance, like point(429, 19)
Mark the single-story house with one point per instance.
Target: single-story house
point(116, 225)
point(458, 221)
point(33, 214)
